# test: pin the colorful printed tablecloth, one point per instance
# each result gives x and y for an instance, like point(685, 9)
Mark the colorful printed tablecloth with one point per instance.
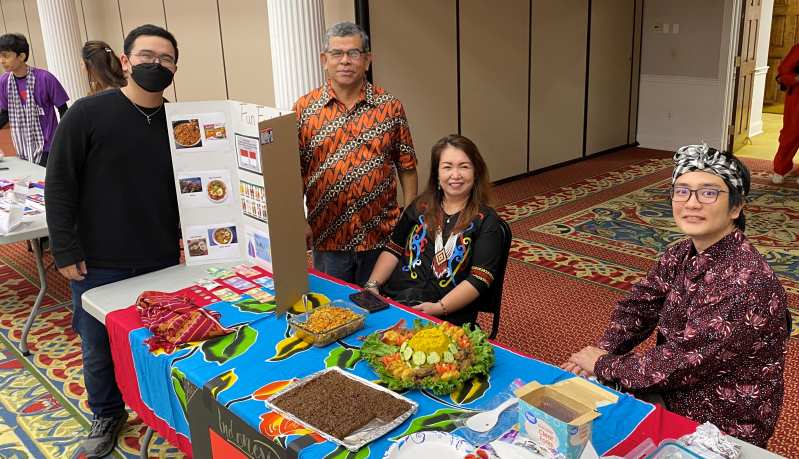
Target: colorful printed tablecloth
point(245, 368)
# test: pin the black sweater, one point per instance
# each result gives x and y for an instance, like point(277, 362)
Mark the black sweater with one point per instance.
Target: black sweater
point(110, 191)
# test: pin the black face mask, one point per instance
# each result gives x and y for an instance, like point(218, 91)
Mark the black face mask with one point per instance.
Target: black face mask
point(152, 77)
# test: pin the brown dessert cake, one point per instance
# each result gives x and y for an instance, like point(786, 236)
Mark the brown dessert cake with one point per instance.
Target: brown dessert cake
point(338, 405)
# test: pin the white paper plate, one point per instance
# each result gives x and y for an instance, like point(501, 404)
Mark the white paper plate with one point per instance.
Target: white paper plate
point(430, 445)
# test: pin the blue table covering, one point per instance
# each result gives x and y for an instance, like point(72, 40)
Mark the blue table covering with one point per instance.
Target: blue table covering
point(263, 357)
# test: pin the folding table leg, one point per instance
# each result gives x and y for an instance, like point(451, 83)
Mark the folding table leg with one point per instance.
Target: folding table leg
point(36, 245)
point(145, 443)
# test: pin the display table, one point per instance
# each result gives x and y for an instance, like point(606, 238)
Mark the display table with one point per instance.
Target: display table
point(101, 301)
point(215, 391)
point(34, 229)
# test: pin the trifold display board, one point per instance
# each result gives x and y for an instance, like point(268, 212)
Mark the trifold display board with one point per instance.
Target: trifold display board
point(232, 162)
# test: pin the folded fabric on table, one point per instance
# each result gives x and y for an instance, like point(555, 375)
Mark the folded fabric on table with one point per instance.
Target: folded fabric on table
point(174, 320)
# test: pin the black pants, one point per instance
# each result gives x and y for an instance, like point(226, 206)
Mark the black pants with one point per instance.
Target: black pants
point(98, 367)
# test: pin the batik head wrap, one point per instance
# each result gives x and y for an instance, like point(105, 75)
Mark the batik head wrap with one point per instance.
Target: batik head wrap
point(706, 159)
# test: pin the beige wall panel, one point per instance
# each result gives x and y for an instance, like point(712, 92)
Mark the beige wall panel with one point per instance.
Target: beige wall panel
point(139, 12)
point(419, 68)
point(636, 79)
point(248, 57)
point(338, 11)
point(557, 83)
point(494, 82)
point(696, 50)
point(81, 21)
point(16, 22)
point(609, 75)
point(101, 20)
point(14, 16)
point(35, 34)
point(201, 73)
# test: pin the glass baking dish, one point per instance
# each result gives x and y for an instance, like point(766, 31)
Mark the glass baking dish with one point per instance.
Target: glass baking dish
point(299, 324)
point(671, 449)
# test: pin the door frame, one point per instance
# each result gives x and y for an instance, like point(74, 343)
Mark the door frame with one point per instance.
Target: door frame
point(733, 14)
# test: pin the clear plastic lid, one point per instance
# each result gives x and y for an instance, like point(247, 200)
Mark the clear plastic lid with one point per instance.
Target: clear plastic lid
point(300, 324)
point(671, 449)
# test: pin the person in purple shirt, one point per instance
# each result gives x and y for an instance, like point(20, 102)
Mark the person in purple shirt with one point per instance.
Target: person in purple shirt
point(33, 121)
point(716, 306)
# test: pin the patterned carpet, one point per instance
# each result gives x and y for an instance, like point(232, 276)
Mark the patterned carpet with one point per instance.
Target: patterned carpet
point(582, 235)
point(43, 411)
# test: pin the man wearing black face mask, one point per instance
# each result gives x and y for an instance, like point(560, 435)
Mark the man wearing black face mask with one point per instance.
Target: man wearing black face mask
point(111, 205)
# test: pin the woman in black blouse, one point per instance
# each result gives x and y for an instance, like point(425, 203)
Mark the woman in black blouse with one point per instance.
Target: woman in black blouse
point(446, 247)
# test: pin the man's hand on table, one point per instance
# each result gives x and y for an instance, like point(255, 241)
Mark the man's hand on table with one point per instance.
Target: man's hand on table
point(582, 363)
point(76, 272)
point(572, 367)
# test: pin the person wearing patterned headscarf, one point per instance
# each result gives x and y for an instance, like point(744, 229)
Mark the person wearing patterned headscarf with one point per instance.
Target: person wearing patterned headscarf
point(717, 306)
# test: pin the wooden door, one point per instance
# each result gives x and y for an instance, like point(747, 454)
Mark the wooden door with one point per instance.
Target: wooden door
point(745, 72)
point(784, 33)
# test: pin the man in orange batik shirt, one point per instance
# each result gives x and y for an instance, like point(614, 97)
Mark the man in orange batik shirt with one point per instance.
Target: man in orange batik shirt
point(353, 138)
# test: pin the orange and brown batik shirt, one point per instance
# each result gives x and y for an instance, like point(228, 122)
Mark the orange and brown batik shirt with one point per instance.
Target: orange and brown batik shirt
point(349, 161)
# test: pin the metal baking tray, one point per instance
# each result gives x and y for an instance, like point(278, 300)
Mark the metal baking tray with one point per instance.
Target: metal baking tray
point(361, 437)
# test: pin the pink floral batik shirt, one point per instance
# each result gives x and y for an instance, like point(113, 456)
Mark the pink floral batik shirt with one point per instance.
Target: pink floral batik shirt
point(721, 314)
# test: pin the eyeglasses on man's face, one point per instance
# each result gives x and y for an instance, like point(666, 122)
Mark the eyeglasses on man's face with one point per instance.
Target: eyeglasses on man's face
point(353, 54)
point(703, 195)
point(149, 57)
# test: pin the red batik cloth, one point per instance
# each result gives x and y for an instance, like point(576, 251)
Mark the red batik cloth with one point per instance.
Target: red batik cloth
point(174, 320)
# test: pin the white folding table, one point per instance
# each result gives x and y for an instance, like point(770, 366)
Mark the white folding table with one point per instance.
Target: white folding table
point(103, 300)
point(34, 229)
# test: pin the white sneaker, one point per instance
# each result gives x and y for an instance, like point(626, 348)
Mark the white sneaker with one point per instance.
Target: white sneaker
point(777, 179)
